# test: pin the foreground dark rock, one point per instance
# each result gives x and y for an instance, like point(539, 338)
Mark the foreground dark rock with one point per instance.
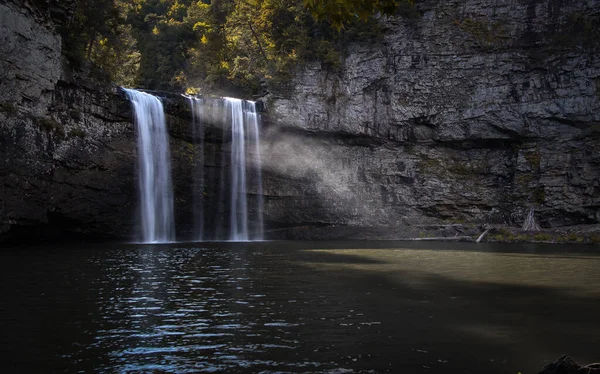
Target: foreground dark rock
point(566, 365)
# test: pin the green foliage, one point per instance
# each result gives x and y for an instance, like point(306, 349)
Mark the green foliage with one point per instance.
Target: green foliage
point(427, 165)
point(92, 21)
point(539, 195)
point(75, 114)
point(569, 237)
point(506, 236)
point(524, 179)
point(8, 108)
point(485, 33)
point(158, 30)
point(466, 170)
point(542, 237)
point(50, 125)
point(218, 44)
point(97, 32)
point(593, 130)
point(533, 158)
point(255, 39)
point(77, 132)
point(340, 13)
point(408, 11)
point(552, 236)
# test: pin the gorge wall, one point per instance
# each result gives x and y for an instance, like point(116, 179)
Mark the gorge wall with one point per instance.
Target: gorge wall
point(469, 111)
point(65, 139)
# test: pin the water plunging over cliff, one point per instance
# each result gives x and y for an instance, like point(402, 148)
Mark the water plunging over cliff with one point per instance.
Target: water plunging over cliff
point(238, 214)
point(239, 205)
point(156, 193)
point(197, 107)
point(245, 140)
point(252, 121)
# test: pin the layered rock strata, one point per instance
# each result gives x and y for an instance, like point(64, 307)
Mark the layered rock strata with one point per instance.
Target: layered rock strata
point(468, 111)
point(66, 141)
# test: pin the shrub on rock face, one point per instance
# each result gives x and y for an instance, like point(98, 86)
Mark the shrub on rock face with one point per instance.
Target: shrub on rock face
point(51, 125)
point(8, 108)
point(342, 12)
point(566, 365)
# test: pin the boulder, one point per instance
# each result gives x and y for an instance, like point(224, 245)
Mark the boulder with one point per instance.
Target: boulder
point(566, 365)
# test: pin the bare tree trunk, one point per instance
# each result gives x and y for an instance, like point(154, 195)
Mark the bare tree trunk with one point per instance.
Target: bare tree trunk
point(90, 46)
point(530, 224)
point(480, 238)
point(262, 51)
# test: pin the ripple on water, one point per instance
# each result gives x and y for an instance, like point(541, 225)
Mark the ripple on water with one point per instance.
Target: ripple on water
point(156, 308)
point(154, 350)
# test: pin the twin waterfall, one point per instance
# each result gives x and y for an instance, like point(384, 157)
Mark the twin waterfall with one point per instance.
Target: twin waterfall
point(228, 218)
point(242, 119)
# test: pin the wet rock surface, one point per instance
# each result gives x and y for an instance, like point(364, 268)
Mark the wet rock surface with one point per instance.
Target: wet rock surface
point(566, 365)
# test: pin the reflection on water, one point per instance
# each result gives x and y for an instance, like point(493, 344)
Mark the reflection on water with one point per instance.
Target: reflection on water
point(298, 307)
point(190, 309)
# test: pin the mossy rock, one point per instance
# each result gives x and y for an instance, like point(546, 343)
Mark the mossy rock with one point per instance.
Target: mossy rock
point(50, 125)
point(8, 108)
point(77, 132)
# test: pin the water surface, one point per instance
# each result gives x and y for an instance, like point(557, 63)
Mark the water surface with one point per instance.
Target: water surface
point(298, 307)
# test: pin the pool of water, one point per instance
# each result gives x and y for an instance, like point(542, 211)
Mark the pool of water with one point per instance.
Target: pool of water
point(336, 307)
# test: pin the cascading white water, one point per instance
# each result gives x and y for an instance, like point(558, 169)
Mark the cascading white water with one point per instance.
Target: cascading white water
point(252, 121)
point(197, 107)
point(156, 193)
point(238, 215)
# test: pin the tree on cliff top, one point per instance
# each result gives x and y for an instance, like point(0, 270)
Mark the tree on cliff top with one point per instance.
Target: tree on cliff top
point(342, 12)
point(173, 44)
point(97, 32)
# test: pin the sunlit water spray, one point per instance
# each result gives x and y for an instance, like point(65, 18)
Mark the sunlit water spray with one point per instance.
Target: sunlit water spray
point(237, 217)
point(238, 214)
point(245, 139)
point(197, 107)
point(155, 189)
point(252, 121)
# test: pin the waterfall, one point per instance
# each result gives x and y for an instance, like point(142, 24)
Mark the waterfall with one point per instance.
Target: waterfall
point(252, 121)
point(155, 190)
point(238, 214)
point(197, 107)
point(237, 201)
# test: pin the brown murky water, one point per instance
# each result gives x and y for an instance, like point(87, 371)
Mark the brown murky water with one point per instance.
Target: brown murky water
point(310, 307)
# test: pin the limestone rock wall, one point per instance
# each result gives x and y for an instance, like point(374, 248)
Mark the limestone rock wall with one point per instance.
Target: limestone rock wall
point(474, 111)
point(30, 56)
point(67, 151)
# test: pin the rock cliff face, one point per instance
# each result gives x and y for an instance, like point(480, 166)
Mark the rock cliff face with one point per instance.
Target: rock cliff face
point(67, 140)
point(473, 111)
point(66, 143)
